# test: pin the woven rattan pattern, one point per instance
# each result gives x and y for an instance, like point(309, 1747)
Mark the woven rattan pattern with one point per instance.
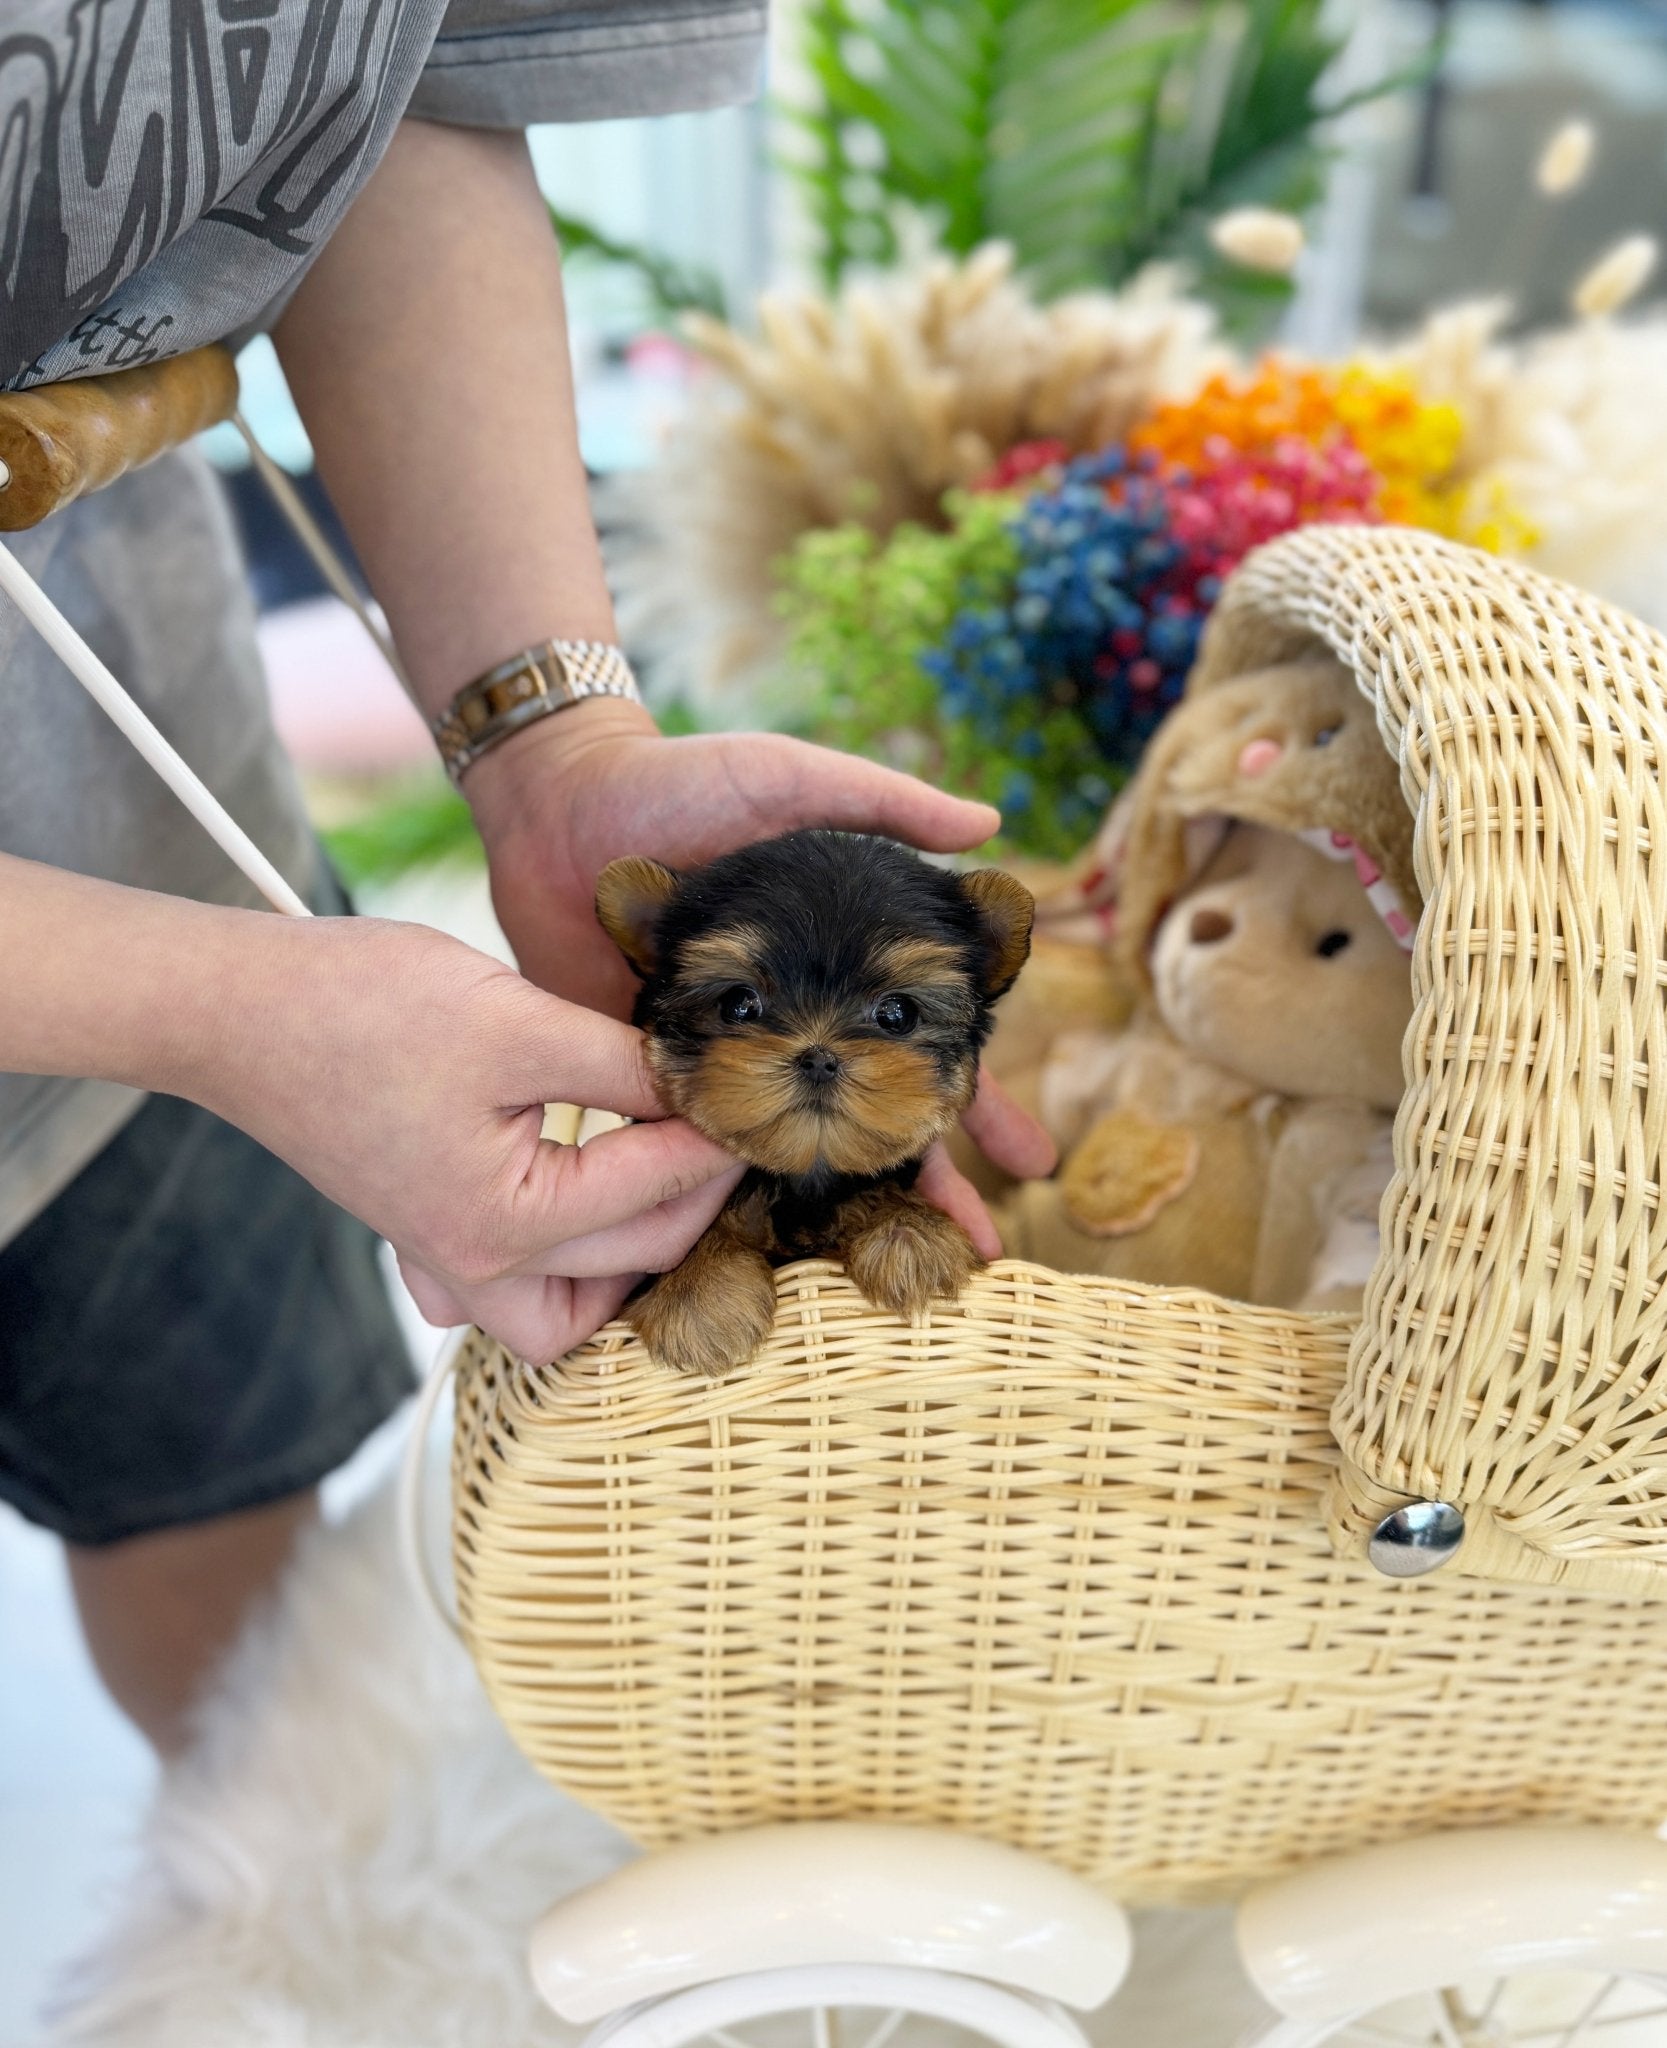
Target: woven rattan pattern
point(1054, 1566)
point(1511, 1359)
point(1050, 1569)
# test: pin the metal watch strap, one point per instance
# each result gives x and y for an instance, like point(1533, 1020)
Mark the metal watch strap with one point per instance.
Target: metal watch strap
point(528, 686)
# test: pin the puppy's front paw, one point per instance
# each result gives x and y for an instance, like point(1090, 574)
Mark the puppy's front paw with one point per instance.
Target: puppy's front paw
point(706, 1316)
point(911, 1256)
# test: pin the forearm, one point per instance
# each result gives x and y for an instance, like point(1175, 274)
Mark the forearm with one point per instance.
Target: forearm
point(427, 352)
point(116, 984)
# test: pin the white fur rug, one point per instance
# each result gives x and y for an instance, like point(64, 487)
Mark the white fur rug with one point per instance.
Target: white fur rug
point(354, 1853)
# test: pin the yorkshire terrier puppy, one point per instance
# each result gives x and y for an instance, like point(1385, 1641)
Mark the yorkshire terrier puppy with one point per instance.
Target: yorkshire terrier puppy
point(816, 1004)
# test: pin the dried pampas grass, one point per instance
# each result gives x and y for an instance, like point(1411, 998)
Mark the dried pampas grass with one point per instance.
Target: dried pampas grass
point(1616, 278)
point(872, 407)
point(869, 408)
point(1569, 427)
point(1565, 159)
point(1259, 238)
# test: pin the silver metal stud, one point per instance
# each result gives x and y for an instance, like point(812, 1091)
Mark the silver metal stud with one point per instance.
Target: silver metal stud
point(1416, 1539)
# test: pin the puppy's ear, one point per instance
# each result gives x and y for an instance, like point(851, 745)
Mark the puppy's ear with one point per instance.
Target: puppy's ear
point(1005, 910)
point(630, 895)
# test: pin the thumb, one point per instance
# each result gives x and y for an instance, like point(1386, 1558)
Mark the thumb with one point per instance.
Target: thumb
point(562, 1052)
point(577, 1191)
point(811, 785)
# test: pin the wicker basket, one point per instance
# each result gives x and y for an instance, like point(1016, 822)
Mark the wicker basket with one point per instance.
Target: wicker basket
point(1078, 1565)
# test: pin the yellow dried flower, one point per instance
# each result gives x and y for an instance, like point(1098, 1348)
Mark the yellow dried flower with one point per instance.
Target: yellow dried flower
point(1565, 159)
point(1615, 278)
point(1259, 238)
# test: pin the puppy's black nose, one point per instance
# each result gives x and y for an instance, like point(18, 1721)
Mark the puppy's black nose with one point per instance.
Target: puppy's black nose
point(817, 1064)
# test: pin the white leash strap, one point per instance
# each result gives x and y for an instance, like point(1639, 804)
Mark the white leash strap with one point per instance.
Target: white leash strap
point(408, 1499)
point(109, 695)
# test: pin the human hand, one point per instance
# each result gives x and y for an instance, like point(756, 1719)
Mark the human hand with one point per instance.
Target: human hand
point(405, 1075)
point(561, 800)
point(557, 802)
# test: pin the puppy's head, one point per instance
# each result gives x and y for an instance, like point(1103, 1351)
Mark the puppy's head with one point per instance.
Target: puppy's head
point(816, 1003)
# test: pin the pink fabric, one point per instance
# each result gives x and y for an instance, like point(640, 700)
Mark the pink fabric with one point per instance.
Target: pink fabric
point(1380, 892)
point(337, 707)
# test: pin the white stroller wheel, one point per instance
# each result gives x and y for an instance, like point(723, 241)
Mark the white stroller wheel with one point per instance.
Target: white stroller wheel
point(1528, 2009)
point(841, 2005)
point(1525, 1937)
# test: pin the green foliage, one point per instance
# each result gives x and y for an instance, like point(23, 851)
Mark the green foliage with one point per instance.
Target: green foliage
point(672, 287)
point(420, 823)
point(1094, 135)
point(860, 611)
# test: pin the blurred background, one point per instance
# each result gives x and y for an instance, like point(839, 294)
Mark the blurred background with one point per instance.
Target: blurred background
point(1097, 137)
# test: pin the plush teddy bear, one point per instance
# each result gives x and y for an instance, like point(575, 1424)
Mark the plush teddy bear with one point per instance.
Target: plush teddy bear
point(1259, 881)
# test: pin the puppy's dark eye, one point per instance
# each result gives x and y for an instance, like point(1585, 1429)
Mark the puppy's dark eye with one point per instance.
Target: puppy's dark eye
point(1326, 734)
point(740, 1005)
point(897, 1016)
point(1332, 944)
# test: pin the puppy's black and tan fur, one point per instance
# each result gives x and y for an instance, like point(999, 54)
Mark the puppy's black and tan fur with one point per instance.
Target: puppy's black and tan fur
point(816, 1005)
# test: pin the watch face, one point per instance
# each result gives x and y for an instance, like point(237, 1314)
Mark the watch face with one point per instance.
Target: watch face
point(522, 688)
point(526, 682)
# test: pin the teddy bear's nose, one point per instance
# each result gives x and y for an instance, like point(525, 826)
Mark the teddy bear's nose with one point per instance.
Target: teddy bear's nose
point(1208, 926)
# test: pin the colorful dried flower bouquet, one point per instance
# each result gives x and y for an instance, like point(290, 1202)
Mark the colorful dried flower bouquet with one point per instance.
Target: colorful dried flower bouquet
point(1035, 640)
point(939, 524)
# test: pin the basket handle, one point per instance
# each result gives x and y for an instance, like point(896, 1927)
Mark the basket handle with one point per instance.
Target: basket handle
point(1512, 1359)
point(61, 441)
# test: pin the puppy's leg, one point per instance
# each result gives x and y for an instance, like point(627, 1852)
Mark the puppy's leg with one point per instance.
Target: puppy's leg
point(712, 1312)
point(902, 1252)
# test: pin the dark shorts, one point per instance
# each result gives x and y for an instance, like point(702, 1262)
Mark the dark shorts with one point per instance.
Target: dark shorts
point(189, 1329)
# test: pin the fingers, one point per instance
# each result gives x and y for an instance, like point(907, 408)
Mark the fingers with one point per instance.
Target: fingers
point(1008, 1136)
point(537, 1318)
point(650, 1243)
point(435, 1301)
point(943, 1184)
point(574, 1193)
point(813, 785)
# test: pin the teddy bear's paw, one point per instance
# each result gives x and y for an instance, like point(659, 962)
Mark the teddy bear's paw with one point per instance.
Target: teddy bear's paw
point(706, 1320)
point(1128, 1169)
point(910, 1258)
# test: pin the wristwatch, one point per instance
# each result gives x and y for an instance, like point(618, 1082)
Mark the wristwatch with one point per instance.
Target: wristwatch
point(529, 686)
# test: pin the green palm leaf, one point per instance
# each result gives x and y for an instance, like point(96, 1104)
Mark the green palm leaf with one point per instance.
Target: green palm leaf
point(1094, 135)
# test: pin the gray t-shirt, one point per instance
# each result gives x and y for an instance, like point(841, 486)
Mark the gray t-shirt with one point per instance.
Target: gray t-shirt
point(168, 170)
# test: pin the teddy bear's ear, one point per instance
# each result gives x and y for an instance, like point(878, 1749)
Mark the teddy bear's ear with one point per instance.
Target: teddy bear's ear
point(630, 896)
point(1006, 910)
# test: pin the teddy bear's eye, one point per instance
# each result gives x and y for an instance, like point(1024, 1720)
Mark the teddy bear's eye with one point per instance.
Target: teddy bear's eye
point(897, 1016)
point(740, 1005)
point(1332, 944)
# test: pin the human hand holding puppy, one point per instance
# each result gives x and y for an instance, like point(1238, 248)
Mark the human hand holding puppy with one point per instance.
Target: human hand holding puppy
point(600, 782)
point(816, 1003)
point(402, 1073)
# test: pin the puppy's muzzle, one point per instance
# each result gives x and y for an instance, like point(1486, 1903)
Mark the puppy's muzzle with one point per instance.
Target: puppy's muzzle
point(817, 1067)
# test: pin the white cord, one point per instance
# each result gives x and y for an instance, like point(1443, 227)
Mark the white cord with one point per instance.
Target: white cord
point(109, 695)
point(408, 1505)
point(313, 538)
